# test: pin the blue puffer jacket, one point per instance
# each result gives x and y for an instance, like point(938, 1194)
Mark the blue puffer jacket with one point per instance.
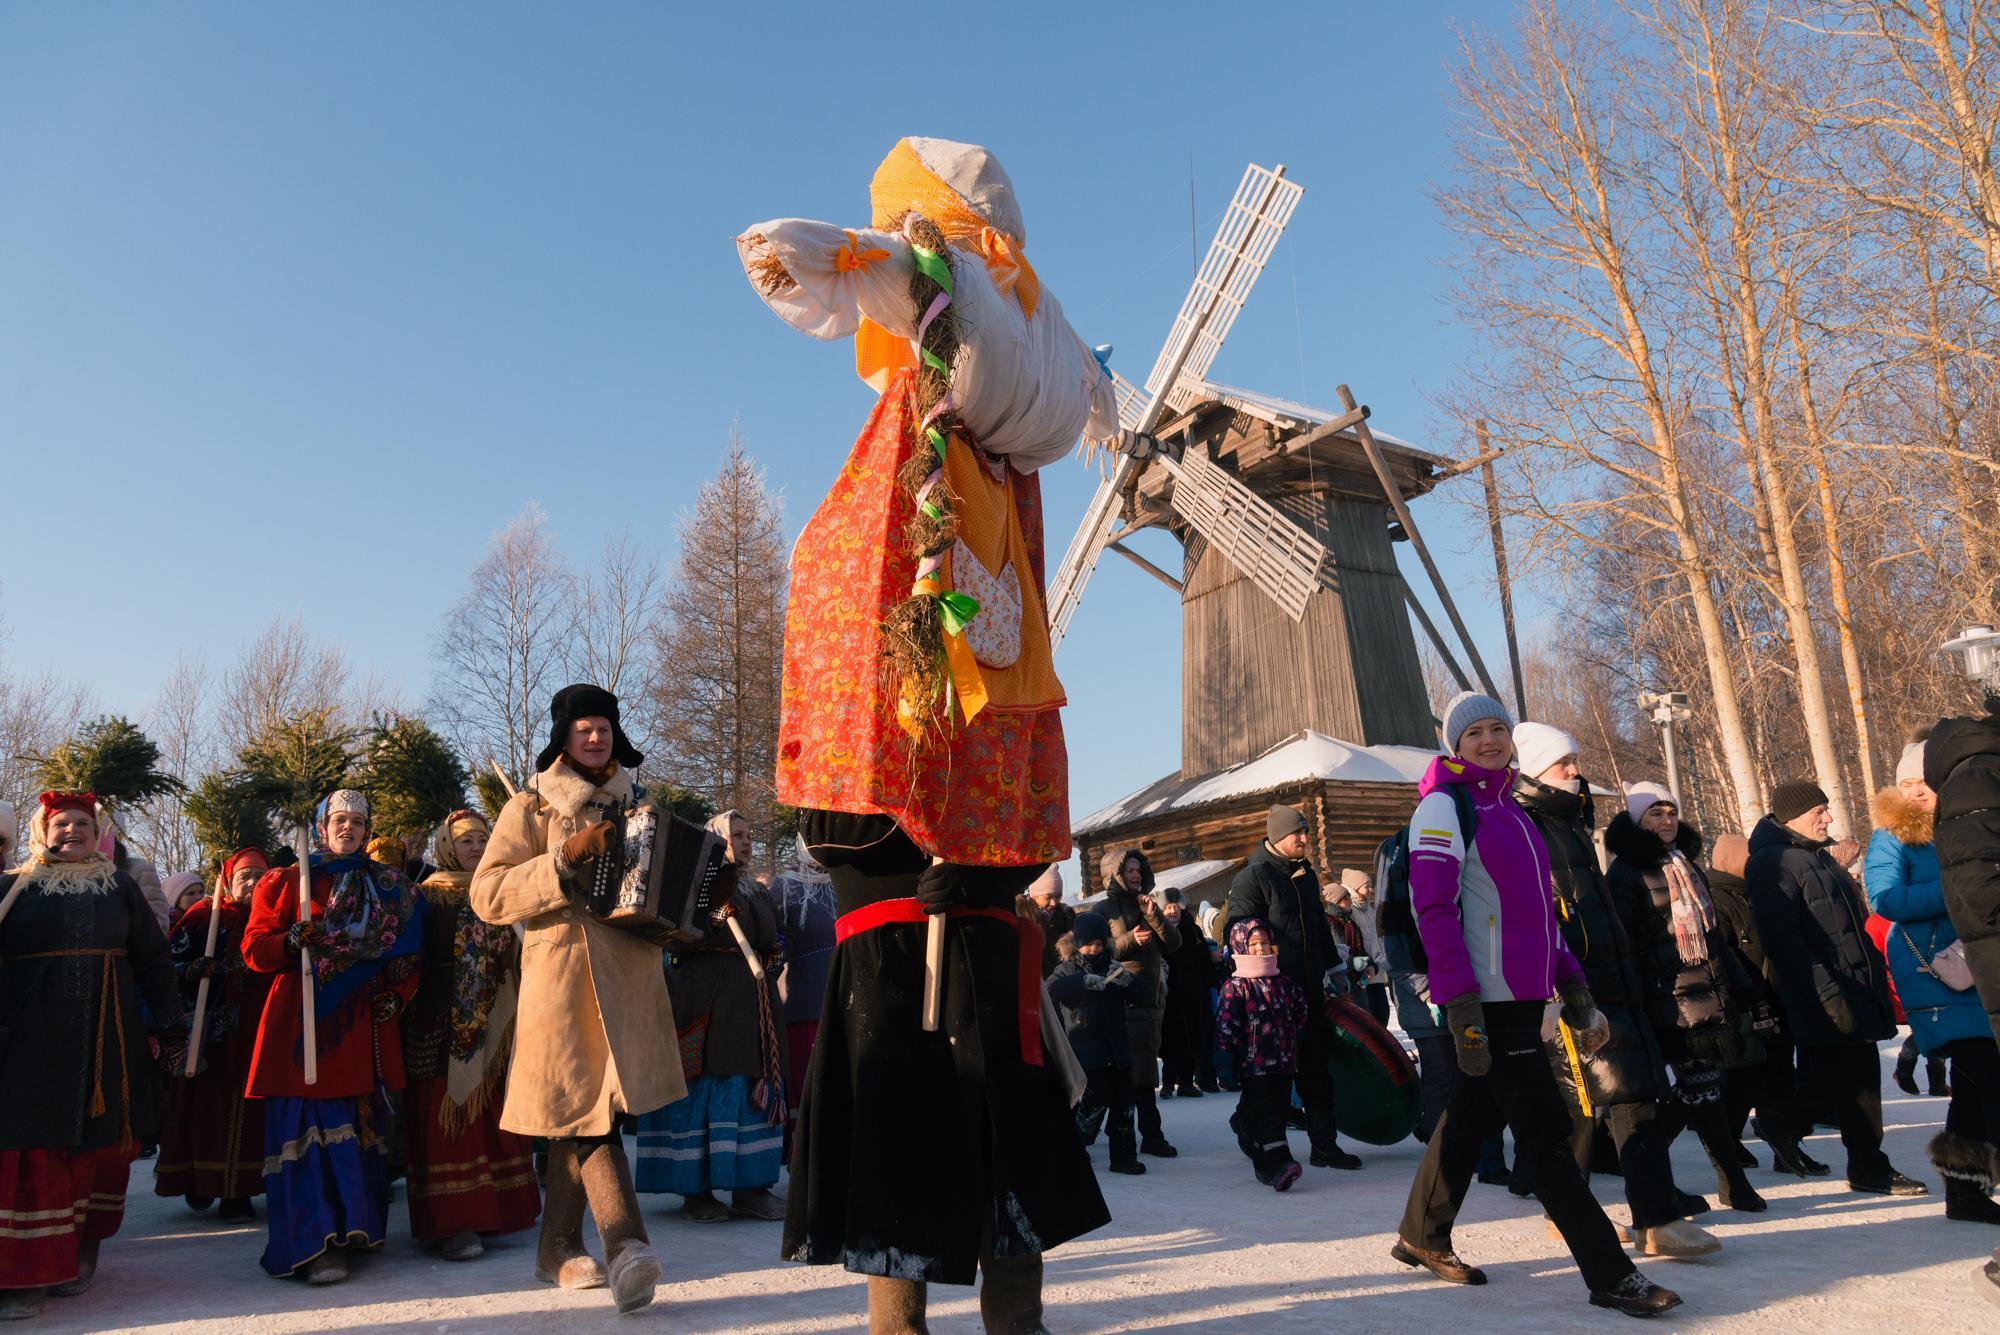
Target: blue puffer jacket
point(1903, 886)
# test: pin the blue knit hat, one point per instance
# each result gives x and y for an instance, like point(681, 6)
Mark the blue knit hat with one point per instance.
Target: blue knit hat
point(1467, 708)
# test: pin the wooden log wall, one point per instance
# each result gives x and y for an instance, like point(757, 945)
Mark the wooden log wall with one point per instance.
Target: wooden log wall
point(1344, 824)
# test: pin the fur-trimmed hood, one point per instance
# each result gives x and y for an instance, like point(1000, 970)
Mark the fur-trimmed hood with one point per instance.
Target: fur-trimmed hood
point(1908, 822)
point(1113, 859)
point(1626, 840)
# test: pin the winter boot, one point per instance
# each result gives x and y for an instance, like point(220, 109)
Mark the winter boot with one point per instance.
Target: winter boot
point(462, 1247)
point(237, 1210)
point(1010, 1295)
point(198, 1202)
point(1124, 1140)
point(20, 1304)
point(1152, 1140)
point(559, 1255)
point(1906, 1067)
point(1969, 1168)
point(1935, 1078)
point(1677, 1240)
point(896, 1306)
point(631, 1266)
point(1732, 1184)
point(1323, 1132)
point(329, 1267)
point(1089, 1121)
point(86, 1270)
point(757, 1203)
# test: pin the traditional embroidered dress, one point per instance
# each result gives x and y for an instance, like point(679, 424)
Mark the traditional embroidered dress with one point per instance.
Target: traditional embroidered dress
point(466, 1175)
point(888, 781)
point(79, 952)
point(213, 1141)
point(728, 1134)
point(325, 1161)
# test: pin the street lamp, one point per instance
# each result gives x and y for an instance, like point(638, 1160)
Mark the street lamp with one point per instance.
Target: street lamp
point(1668, 710)
point(1978, 652)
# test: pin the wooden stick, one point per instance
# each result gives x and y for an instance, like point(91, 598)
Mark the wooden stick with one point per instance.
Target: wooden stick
point(743, 944)
point(302, 846)
point(933, 971)
point(505, 782)
point(1500, 570)
point(201, 992)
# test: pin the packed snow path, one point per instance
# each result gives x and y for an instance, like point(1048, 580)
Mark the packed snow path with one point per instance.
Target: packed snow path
point(1196, 1245)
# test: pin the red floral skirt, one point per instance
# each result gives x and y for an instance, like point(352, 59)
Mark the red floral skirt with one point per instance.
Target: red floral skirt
point(479, 1180)
point(50, 1200)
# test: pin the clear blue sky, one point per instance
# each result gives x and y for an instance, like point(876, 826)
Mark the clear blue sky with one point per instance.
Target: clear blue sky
point(299, 304)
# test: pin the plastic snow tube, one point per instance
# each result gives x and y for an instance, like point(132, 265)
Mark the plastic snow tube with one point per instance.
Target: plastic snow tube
point(1377, 1094)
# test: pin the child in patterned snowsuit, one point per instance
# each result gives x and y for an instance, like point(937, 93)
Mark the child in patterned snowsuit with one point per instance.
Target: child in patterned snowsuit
point(1258, 1022)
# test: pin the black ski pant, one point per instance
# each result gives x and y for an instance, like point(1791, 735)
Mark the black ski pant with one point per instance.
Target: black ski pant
point(1107, 1094)
point(1520, 1094)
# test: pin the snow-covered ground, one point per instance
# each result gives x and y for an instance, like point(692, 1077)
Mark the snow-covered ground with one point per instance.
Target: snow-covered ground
point(1196, 1245)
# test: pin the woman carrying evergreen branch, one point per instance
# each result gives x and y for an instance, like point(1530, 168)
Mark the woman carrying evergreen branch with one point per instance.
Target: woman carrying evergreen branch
point(467, 1177)
point(326, 1165)
point(213, 1143)
point(80, 950)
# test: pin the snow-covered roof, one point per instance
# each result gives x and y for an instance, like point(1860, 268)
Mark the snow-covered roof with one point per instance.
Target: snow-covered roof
point(1191, 873)
point(1308, 755)
point(1274, 409)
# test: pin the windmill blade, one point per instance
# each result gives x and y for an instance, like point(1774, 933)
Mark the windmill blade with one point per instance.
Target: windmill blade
point(1132, 401)
point(1259, 539)
point(1066, 588)
point(1250, 230)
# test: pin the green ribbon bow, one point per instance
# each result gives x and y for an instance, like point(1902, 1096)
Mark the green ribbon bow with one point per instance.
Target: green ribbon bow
point(956, 610)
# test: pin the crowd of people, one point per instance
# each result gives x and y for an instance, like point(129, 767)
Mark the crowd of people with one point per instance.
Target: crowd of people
point(475, 1031)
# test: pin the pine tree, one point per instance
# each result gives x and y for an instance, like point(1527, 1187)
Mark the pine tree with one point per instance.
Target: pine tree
point(721, 644)
point(298, 760)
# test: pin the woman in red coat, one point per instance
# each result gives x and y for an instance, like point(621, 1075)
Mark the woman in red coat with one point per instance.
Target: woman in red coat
point(212, 1145)
point(326, 1170)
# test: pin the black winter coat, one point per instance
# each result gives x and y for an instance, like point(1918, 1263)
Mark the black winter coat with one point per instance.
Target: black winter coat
point(1190, 972)
point(1962, 763)
point(1699, 1011)
point(1629, 1068)
point(74, 967)
point(1733, 912)
point(1285, 894)
point(1094, 1018)
point(1811, 918)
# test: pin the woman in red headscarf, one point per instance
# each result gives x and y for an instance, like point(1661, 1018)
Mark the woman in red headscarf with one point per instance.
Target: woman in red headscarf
point(213, 1144)
point(79, 950)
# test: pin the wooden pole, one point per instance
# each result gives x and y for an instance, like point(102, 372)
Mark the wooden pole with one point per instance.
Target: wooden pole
point(505, 782)
point(1500, 569)
point(302, 846)
point(743, 944)
point(20, 884)
point(201, 991)
point(1395, 498)
point(933, 967)
point(1430, 629)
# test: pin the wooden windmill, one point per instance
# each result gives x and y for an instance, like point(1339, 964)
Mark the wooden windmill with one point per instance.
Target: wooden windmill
point(1294, 614)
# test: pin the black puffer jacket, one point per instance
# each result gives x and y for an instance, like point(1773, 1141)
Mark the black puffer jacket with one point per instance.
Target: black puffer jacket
point(1699, 1010)
point(1962, 763)
point(1286, 895)
point(1811, 918)
point(1629, 1067)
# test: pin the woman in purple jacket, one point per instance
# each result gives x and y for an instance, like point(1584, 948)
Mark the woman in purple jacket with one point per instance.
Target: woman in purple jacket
point(1479, 886)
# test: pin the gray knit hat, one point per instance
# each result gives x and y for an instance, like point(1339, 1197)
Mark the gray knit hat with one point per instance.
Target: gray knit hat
point(1467, 708)
point(1281, 821)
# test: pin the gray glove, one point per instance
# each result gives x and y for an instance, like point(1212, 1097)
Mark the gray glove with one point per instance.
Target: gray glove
point(1465, 1019)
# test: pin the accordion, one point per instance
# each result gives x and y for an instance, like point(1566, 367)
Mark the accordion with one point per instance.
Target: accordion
point(661, 874)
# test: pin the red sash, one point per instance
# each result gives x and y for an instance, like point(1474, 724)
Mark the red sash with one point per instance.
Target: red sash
point(1028, 968)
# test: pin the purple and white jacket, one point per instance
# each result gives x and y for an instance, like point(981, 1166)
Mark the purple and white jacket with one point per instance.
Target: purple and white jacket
point(1486, 913)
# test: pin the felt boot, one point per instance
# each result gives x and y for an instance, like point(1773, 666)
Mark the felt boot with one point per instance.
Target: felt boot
point(631, 1266)
point(20, 1304)
point(896, 1306)
point(1010, 1295)
point(1969, 1168)
point(559, 1255)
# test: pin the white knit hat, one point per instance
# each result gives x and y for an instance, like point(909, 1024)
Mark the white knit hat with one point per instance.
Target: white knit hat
point(1911, 766)
point(1049, 882)
point(1643, 797)
point(1538, 746)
